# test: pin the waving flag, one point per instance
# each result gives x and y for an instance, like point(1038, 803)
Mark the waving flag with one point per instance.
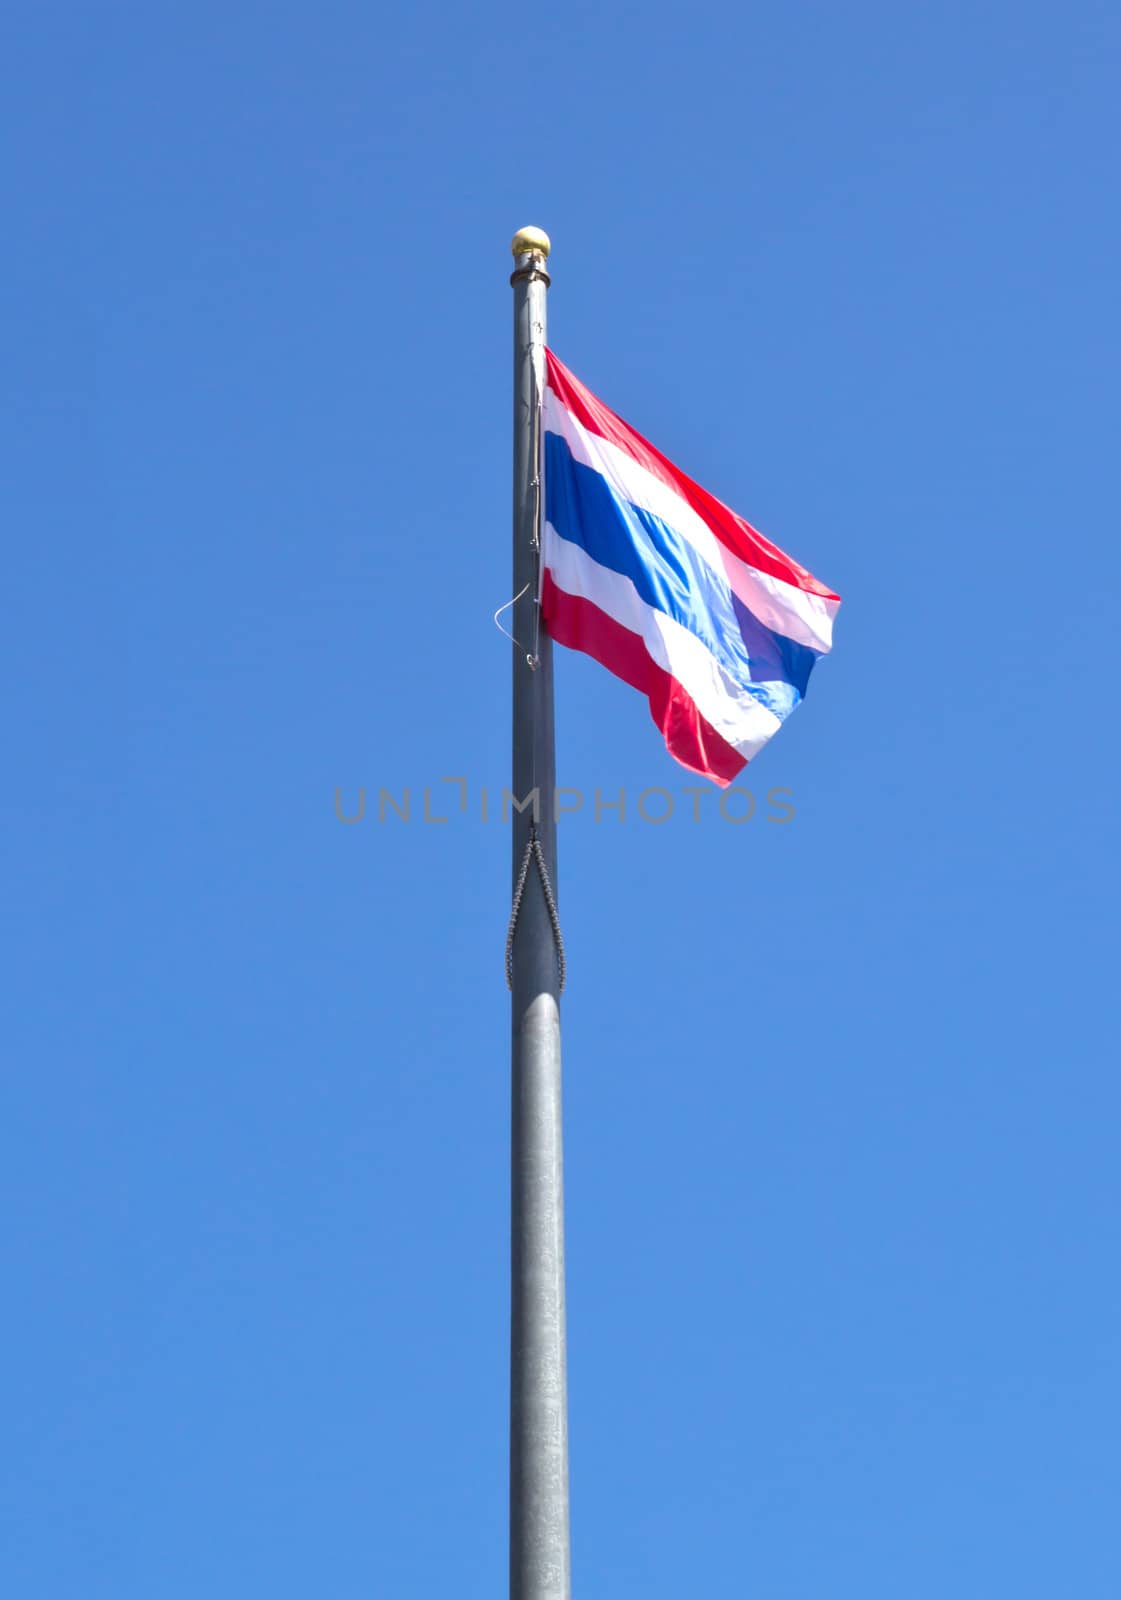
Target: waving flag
point(669, 589)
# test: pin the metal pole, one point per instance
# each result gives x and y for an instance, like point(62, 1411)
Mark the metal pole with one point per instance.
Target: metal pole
point(539, 1549)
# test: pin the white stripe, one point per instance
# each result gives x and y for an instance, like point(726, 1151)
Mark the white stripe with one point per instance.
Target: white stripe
point(735, 714)
point(781, 606)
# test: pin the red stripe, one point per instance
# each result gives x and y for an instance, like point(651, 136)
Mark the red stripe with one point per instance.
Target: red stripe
point(580, 625)
point(731, 529)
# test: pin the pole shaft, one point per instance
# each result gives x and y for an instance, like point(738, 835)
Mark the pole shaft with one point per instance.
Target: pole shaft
point(539, 1540)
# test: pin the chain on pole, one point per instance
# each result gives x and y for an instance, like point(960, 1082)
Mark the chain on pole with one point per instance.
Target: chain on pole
point(534, 852)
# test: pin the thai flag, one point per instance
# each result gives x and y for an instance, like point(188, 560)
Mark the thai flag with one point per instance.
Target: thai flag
point(671, 590)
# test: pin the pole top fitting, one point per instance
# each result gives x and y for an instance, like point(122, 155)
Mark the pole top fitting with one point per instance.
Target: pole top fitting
point(531, 241)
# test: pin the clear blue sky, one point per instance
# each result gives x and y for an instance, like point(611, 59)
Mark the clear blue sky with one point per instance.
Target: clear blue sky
point(842, 1128)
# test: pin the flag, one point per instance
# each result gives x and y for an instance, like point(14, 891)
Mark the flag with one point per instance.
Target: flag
point(669, 589)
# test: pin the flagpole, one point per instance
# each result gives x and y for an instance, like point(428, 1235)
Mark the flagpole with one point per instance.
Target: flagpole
point(539, 1542)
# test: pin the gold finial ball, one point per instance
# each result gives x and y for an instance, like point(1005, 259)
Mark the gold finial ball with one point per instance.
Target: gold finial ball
point(530, 241)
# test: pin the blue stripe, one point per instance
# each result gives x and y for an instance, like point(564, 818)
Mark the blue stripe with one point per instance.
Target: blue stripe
point(672, 577)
